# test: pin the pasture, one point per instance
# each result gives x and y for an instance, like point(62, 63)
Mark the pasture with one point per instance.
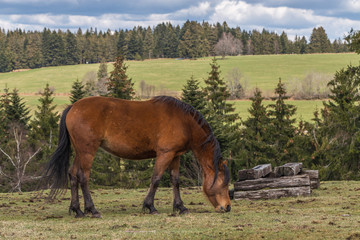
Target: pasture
point(331, 212)
point(170, 75)
point(262, 71)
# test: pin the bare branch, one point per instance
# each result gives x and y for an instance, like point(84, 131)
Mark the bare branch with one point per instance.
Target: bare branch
point(7, 155)
point(27, 162)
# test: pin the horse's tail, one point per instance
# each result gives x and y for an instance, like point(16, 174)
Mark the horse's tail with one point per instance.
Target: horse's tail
point(56, 173)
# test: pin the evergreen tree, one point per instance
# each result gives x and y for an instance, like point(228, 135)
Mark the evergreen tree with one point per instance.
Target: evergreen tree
point(353, 40)
point(221, 113)
point(282, 128)
point(4, 118)
point(319, 41)
point(44, 126)
point(77, 91)
point(194, 96)
point(148, 43)
point(339, 131)
point(16, 110)
point(71, 49)
point(255, 146)
point(120, 85)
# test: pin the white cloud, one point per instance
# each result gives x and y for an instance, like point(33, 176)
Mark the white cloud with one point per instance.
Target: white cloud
point(352, 6)
point(201, 10)
point(294, 20)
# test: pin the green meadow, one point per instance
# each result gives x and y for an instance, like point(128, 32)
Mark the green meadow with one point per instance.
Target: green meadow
point(331, 212)
point(170, 75)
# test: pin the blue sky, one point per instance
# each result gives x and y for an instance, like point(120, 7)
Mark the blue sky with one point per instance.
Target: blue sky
point(295, 17)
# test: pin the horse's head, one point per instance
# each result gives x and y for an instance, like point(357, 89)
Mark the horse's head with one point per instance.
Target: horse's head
point(218, 191)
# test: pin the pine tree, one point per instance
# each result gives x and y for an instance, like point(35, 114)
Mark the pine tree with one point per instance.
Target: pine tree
point(44, 126)
point(16, 110)
point(282, 128)
point(221, 113)
point(71, 49)
point(77, 91)
point(148, 43)
point(353, 40)
point(194, 96)
point(120, 85)
point(340, 129)
point(319, 41)
point(255, 147)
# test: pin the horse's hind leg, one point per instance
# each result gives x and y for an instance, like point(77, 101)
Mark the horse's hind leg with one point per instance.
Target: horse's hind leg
point(161, 164)
point(174, 168)
point(84, 175)
point(74, 182)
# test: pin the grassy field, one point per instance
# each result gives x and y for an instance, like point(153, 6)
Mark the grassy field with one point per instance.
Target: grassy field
point(262, 71)
point(331, 212)
point(170, 75)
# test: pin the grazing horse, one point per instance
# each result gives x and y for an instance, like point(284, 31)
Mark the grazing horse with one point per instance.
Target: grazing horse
point(162, 127)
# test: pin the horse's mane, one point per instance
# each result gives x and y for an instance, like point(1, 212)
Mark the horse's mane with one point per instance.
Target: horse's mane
point(211, 139)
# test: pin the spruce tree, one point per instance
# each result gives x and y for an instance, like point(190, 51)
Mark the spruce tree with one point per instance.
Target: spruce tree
point(255, 147)
point(283, 130)
point(194, 96)
point(119, 84)
point(16, 110)
point(340, 129)
point(221, 114)
point(77, 91)
point(44, 126)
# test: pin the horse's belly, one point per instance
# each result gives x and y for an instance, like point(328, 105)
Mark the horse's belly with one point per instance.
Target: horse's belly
point(128, 150)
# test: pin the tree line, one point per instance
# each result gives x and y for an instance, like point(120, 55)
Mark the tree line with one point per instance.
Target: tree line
point(21, 49)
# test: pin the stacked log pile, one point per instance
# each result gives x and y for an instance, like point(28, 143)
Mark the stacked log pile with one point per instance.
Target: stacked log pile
point(288, 180)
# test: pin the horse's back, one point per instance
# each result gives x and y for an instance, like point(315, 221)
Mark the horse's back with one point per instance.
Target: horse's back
point(130, 129)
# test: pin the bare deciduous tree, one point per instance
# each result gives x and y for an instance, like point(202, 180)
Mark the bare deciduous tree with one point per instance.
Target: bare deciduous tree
point(228, 45)
point(19, 158)
point(237, 85)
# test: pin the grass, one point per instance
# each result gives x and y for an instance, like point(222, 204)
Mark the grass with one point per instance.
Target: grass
point(331, 212)
point(262, 71)
point(170, 75)
point(305, 108)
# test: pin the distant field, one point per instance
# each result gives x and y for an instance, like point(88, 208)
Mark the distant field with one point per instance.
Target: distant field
point(305, 108)
point(170, 75)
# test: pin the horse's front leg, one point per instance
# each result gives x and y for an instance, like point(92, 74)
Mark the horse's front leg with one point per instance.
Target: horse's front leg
point(162, 162)
point(178, 204)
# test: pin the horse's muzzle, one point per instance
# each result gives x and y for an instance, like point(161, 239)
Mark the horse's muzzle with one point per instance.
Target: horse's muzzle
point(227, 209)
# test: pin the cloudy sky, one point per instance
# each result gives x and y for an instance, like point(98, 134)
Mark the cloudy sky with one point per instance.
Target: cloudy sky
point(295, 17)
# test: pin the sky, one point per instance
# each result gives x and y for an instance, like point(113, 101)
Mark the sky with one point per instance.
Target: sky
point(295, 17)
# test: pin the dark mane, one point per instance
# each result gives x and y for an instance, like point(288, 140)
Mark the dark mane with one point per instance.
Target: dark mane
point(188, 109)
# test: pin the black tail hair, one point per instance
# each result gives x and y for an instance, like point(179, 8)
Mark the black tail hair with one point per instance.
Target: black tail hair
point(56, 173)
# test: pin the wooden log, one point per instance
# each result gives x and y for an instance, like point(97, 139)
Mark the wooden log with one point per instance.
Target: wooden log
point(255, 172)
point(273, 193)
point(288, 169)
point(314, 178)
point(282, 182)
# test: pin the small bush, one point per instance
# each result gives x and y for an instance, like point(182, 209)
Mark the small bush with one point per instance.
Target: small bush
point(313, 86)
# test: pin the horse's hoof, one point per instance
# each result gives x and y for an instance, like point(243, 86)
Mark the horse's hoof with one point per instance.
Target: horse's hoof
point(184, 212)
point(96, 215)
point(155, 212)
point(79, 215)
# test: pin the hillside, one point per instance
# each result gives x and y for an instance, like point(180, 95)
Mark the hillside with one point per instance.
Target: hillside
point(169, 75)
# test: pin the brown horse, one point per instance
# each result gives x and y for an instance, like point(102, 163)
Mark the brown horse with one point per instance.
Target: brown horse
point(162, 127)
